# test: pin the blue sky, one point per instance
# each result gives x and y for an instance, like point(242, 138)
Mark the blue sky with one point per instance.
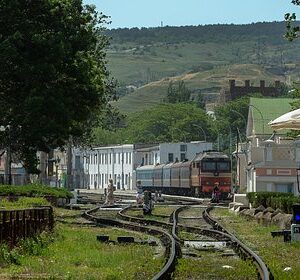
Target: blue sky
point(150, 13)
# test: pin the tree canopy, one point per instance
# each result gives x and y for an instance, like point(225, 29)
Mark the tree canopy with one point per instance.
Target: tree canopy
point(292, 30)
point(163, 123)
point(53, 78)
point(178, 94)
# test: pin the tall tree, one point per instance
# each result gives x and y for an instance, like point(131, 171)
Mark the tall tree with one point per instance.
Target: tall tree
point(169, 123)
point(292, 30)
point(53, 78)
point(178, 94)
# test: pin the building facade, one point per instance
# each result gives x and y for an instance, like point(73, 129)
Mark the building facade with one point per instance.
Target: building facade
point(93, 168)
point(274, 167)
point(268, 161)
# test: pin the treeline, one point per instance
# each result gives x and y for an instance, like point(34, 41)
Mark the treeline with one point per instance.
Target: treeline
point(273, 31)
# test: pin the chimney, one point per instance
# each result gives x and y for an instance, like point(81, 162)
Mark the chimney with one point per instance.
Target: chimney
point(247, 83)
point(262, 83)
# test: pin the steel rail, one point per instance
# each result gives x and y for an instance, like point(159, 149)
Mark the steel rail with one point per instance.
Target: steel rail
point(218, 232)
point(263, 270)
point(171, 247)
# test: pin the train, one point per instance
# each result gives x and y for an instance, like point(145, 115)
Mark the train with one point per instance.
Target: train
point(196, 177)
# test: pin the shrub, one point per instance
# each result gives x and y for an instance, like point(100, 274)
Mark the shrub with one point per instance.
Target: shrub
point(9, 256)
point(24, 202)
point(35, 190)
point(284, 201)
point(30, 246)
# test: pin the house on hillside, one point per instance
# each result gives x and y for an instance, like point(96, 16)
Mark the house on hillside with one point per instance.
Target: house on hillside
point(268, 161)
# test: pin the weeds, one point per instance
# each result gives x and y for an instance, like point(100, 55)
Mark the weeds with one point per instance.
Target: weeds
point(26, 247)
point(23, 202)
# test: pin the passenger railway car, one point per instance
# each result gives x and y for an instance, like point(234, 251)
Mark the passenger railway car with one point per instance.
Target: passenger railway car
point(193, 178)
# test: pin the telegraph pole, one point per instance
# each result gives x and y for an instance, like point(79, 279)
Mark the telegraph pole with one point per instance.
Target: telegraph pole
point(69, 165)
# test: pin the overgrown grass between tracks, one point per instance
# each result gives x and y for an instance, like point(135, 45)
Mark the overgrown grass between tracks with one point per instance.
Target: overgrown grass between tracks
point(282, 258)
point(76, 254)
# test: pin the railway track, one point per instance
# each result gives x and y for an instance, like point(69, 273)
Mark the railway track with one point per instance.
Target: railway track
point(203, 225)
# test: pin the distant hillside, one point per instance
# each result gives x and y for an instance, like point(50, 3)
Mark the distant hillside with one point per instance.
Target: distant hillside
point(204, 56)
point(200, 34)
point(204, 82)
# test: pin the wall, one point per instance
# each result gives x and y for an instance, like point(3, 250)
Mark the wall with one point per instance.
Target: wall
point(239, 91)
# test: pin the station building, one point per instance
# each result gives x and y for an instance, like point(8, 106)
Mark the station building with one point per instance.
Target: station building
point(268, 161)
point(92, 168)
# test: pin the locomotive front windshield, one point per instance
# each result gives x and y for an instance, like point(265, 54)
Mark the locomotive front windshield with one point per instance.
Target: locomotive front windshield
point(212, 166)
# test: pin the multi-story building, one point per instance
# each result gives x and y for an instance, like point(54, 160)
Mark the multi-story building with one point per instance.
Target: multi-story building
point(275, 167)
point(268, 161)
point(96, 166)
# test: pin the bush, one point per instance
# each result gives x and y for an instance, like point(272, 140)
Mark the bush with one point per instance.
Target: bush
point(35, 190)
point(30, 246)
point(24, 202)
point(284, 201)
point(9, 256)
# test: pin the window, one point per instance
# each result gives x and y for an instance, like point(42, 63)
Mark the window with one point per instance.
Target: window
point(183, 148)
point(223, 166)
point(208, 166)
point(129, 158)
point(77, 162)
point(286, 188)
point(182, 156)
point(170, 157)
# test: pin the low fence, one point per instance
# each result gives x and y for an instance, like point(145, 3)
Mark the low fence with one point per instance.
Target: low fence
point(21, 224)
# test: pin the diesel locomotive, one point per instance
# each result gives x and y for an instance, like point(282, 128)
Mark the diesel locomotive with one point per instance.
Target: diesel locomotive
point(196, 177)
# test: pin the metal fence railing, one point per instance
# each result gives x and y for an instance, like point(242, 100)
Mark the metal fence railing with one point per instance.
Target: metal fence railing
point(21, 224)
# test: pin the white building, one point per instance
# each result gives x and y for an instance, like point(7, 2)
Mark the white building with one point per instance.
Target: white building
point(111, 162)
point(119, 162)
point(170, 152)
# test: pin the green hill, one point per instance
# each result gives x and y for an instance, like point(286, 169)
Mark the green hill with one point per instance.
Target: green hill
point(205, 57)
point(205, 82)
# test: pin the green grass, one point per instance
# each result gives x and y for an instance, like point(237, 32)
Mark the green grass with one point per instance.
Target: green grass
point(150, 67)
point(276, 253)
point(76, 254)
point(34, 190)
point(23, 203)
point(210, 266)
point(206, 81)
point(159, 61)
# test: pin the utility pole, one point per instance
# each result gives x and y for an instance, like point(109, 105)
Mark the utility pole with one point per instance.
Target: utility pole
point(8, 178)
point(69, 165)
point(238, 158)
point(43, 168)
point(122, 178)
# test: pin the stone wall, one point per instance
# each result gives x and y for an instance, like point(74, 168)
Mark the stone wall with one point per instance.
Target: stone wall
point(239, 91)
